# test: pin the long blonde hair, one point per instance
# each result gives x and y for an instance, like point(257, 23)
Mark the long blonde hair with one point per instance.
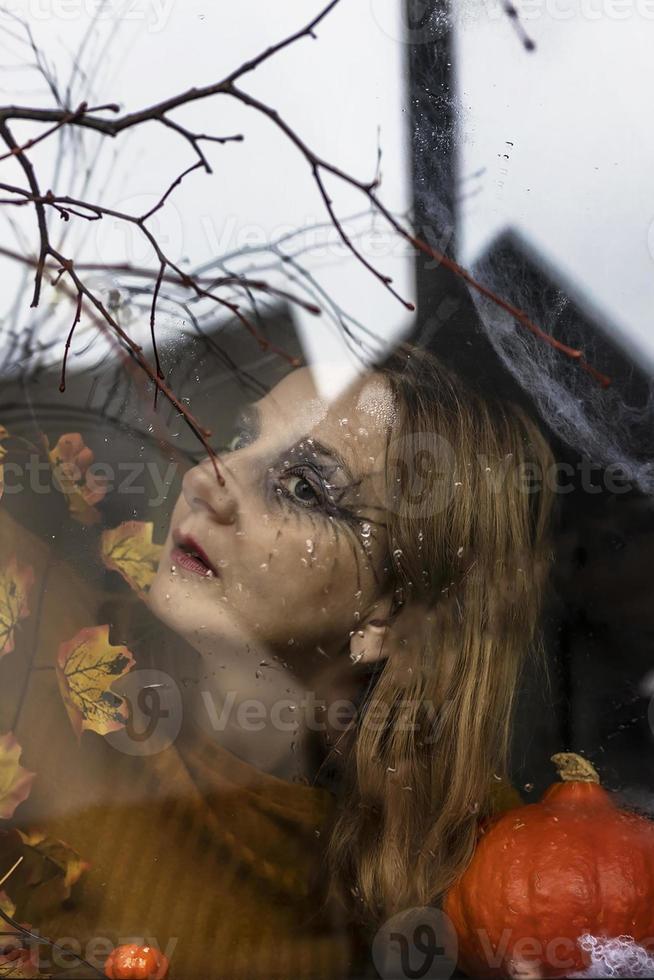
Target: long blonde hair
point(473, 548)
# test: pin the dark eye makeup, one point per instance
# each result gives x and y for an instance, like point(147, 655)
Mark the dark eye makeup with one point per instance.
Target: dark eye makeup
point(306, 483)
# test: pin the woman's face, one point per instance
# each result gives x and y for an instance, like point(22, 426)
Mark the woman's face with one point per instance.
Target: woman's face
point(296, 536)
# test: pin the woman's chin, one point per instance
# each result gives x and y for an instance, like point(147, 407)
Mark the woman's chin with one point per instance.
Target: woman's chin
point(200, 619)
point(158, 599)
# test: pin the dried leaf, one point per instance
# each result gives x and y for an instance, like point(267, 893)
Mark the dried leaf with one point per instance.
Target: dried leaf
point(47, 870)
point(15, 585)
point(87, 666)
point(46, 857)
point(15, 782)
point(11, 849)
point(7, 905)
point(70, 460)
point(21, 964)
point(3, 452)
point(128, 550)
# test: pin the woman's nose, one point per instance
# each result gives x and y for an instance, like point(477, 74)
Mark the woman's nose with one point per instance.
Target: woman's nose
point(202, 491)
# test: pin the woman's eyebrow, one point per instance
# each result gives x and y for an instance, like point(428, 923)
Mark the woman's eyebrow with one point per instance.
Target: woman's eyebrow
point(251, 417)
point(330, 453)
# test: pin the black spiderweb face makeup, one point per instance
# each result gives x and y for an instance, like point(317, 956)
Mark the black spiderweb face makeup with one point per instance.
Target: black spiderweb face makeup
point(298, 532)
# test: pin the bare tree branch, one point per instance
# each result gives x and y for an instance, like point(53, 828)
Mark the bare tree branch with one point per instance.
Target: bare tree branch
point(85, 118)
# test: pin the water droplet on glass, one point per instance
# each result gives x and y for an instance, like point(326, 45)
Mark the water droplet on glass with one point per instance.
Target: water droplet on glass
point(223, 563)
point(528, 787)
point(264, 566)
point(309, 546)
point(397, 553)
point(365, 530)
point(343, 421)
point(459, 552)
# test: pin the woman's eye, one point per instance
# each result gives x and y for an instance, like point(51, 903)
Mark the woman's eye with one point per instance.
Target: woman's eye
point(237, 441)
point(300, 489)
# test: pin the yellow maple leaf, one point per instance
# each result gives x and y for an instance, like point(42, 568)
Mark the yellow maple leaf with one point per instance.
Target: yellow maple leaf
point(86, 667)
point(70, 460)
point(15, 585)
point(15, 782)
point(128, 550)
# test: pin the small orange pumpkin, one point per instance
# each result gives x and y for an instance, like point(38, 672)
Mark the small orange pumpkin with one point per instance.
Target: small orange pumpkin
point(545, 874)
point(132, 962)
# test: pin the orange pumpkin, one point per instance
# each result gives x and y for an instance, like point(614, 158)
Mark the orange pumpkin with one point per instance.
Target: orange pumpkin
point(132, 962)
point(547, 873)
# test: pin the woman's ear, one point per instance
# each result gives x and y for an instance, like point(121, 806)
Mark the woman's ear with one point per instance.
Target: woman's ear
point(381, 637)
point(368, 642)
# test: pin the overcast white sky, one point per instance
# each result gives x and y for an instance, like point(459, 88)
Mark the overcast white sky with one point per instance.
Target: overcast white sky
point(578, 181)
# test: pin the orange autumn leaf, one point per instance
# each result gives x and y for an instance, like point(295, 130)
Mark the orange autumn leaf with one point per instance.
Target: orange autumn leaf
point(15, 585)
point(15, 781)
point(86, 667)
point(128, 550)
point(70, 460)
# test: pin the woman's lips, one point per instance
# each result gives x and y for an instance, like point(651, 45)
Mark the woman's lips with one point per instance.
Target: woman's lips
point(189, 555)
point(190, 563)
